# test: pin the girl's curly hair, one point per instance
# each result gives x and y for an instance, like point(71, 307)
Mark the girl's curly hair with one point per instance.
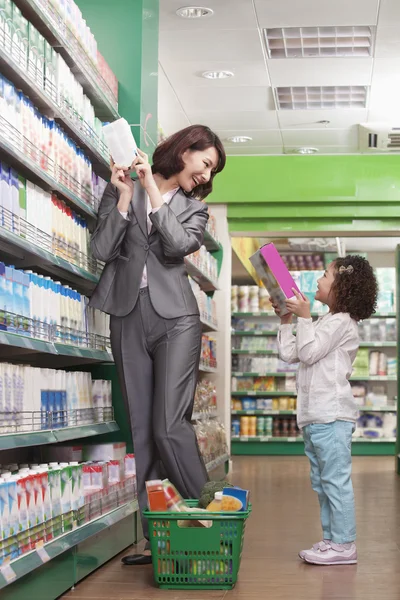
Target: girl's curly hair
point(355, 288)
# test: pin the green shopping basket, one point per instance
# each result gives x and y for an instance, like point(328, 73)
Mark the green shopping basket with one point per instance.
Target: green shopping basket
point(196, 557)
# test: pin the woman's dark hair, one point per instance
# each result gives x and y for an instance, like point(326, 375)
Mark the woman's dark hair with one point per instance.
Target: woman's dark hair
point(355, 288)
point(167, 157)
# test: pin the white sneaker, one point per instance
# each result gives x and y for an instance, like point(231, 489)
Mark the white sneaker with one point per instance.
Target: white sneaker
point(332, 554)
point(315, 548)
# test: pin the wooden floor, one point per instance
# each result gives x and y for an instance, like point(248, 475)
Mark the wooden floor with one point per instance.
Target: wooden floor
point(285, 520)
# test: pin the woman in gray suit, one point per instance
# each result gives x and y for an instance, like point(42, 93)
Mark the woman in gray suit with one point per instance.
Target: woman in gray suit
point(145, 228)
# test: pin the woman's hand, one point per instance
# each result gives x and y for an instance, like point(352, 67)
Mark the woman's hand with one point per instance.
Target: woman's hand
point(285, 319)
point(122, 180)
point(143, 171)
point(300, 306)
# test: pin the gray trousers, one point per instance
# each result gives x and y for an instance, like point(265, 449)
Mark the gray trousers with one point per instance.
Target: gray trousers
point(157, 362)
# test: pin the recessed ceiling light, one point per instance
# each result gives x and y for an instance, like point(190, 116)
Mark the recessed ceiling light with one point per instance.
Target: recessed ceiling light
point(217, 74)
point(314, 98)
point(304, 151)
point(316, 42)
point(194, 12)
point(239, 139)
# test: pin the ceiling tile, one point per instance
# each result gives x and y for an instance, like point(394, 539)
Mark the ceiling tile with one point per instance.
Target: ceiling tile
point(314, 13)
point(316, 137)
point(388, 42)
point(254, 151)
point(172, 121)
point(307, 119)
point(227, 15)
point(241, 120)
point(272, 137)
point(167, 98)
point(222, 45)
point(182, 74)
point(385, 92)
point(389, 12)
point(320, 71)
point(238, 99)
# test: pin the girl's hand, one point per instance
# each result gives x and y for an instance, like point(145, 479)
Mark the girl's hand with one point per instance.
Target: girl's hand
point(121, 178)
point(300, 306)
point(143, 170)
point(285, 319)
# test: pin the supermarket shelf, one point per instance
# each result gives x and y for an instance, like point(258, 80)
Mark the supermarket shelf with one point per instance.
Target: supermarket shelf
point(392, 409)
point(372, 378)
point(24, 254)
point(280, 374)
point(263, 394)
point(214, 464)
point(38, 352)
point(208, 326)
point(206, 284)
point(31, 561)
point(254, 333)
point(373, 441)
point(263, 412)
point(211, 243)
point(265, 314)
point(45, 17)
point(378, 344)
point(38, 438)
point(258, 352)
point(205, 369)
point(201, 416)
point(32, 171)
point(46, 104)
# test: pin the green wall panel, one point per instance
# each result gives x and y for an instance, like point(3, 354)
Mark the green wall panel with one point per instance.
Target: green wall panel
point(127, 36)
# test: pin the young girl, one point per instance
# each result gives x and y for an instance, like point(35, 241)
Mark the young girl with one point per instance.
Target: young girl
point(326, 410)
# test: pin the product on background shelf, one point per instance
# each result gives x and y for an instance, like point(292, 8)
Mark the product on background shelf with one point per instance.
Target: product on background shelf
point(205, 397)
point(249, 299)
point(207, 306)
point(45, 143)
point(376, 426)
point(386, 278)
point(269, 324)
point(35, 399)
point(254, 344)
point(211, 437)
point(263, 384)
point(107, 74)
point(40, 503)
point(208, 356)
point(205, 262)
point(265, 426)
point(304, 262)
point(37, 306)
point(212, 226)
point(374, 363)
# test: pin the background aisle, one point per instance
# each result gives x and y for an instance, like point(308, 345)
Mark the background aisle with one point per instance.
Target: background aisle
point(284, 520)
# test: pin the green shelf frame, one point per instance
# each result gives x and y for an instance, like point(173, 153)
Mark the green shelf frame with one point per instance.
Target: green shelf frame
point(281, 374)
point(262, 394)
point(206, 284)
point(272, 314)
point(258, 352)
point(32, 561)
point(279, 446)
point(211, 244)
point(254, 333)
point(10, 441)
point(378, 344)
point(263, 412)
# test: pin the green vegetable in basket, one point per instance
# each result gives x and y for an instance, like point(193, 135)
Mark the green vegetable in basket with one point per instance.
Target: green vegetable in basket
point(208, 491)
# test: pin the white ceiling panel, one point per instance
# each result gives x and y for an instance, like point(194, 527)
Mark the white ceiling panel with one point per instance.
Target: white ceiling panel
point(237, 99)
point(314, 13)
point(182, 74)
point(389, 12)
point(240, 120)
point(385, 93)
point(273, 137)
point(210, 45)
point(320, 71)
point(172, 121)
point(307, 119)
point(388, 42)
point(311, 137)
point(228, 14)
point(242, 150)
point(167, 98)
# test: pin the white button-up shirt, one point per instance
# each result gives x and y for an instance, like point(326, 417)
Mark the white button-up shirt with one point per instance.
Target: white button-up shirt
point(167, 199)
point(326, 350)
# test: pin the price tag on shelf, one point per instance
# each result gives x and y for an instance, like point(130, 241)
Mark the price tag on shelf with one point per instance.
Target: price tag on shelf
point(238, 374)
point(7, 571)
point(42, 552)
point(244, 438)
point(252, 393)
point(258, 332)
point(291, 439)
point(265, 438)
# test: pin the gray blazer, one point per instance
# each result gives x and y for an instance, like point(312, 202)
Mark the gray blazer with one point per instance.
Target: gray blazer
point(125, 246)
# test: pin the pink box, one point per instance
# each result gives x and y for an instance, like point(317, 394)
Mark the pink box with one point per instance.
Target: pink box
point(274, 274)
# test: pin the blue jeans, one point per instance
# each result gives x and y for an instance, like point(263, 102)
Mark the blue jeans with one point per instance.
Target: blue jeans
point(328, 446)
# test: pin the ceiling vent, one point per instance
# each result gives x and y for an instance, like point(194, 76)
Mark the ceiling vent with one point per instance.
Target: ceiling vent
point(320, 97)
point(379, 137)
point(319, 42)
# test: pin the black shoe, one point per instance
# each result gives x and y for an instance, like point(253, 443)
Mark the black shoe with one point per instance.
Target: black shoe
point(137, 559)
